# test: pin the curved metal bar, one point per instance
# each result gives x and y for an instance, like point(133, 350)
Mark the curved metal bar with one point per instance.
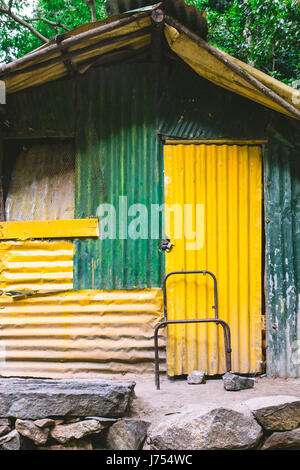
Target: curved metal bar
point(227, 341)
point(215, 306)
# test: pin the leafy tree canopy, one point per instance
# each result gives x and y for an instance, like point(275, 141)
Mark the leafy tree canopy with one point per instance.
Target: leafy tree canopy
point(264, 33)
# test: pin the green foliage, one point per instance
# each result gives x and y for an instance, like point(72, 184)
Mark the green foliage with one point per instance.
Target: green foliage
point(16, 41)
point(263, 33)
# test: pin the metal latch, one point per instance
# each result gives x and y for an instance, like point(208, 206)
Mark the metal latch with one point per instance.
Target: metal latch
point(166, 245)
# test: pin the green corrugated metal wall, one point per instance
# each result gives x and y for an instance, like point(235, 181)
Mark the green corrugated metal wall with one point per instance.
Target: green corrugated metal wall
point(282, 233)
point(121, 110)
point(118, 154)
point(193, 108)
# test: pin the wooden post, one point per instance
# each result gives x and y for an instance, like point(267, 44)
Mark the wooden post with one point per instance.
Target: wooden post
point(67, 62)
point(157, 21)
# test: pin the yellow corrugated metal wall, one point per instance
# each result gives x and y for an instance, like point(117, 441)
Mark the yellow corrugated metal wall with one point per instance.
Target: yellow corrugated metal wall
point(225, 180)
point(36, 265)
point(84, 333)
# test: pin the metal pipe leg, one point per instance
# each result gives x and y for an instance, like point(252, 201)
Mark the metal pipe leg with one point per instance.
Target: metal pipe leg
point(227, 341)
point(157, 381)
point(227, 345)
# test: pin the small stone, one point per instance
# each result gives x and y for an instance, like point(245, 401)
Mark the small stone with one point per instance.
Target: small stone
point(196, 377)
point(277, 412)
point(80, 444)
point(31, 431)
point(234, 383)
point(10, 441)
point(45, 423)
point(127, 434)
point(283, 440)
point(5, 426)
point(104, 421)
point(67, 432)
point(71, 419)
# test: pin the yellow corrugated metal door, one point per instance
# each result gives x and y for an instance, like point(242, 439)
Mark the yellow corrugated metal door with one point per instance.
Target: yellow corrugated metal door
point(213, 215)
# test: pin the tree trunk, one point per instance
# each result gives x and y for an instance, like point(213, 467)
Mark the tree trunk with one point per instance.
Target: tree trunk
point(92, 6)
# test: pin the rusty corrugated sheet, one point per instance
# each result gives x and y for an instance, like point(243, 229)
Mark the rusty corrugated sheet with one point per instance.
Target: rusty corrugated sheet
point(42, 183)
point(118, 155)
point(79, 333)
point(36, 265)
point(225, 182)
point(282, 229)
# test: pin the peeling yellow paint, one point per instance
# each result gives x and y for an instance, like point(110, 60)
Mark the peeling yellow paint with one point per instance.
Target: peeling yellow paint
point(81, 333)
point(68, 333)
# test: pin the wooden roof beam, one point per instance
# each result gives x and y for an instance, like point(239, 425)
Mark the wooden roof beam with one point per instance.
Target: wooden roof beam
point(157, 21)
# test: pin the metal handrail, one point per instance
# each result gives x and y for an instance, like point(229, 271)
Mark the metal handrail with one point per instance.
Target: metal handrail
point(225, 326)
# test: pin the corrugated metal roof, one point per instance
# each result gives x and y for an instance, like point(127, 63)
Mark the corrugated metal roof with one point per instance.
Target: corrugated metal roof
point(132, 30)
point(37, 70)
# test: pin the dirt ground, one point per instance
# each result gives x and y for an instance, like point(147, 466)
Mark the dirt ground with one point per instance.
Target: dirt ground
point(177, 396)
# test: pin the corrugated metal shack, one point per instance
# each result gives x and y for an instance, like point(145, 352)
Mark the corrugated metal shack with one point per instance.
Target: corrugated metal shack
point(140, 109)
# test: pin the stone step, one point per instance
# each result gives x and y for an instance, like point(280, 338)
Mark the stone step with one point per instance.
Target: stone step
point(43, 398)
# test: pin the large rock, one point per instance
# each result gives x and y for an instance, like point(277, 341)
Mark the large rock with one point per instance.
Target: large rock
point(10, 441)
point(276, 413)
point(219, 428)
point(5, 426)
point(234, 383)
point(42, 398)
point(67, 432)
point(127, 434)
point(283, 440)
point(33, 432)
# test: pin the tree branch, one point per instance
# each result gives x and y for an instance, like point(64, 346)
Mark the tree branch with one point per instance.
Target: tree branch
point(45, 20)
point(6, 10)
point(49, 22)
point(92, 6)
